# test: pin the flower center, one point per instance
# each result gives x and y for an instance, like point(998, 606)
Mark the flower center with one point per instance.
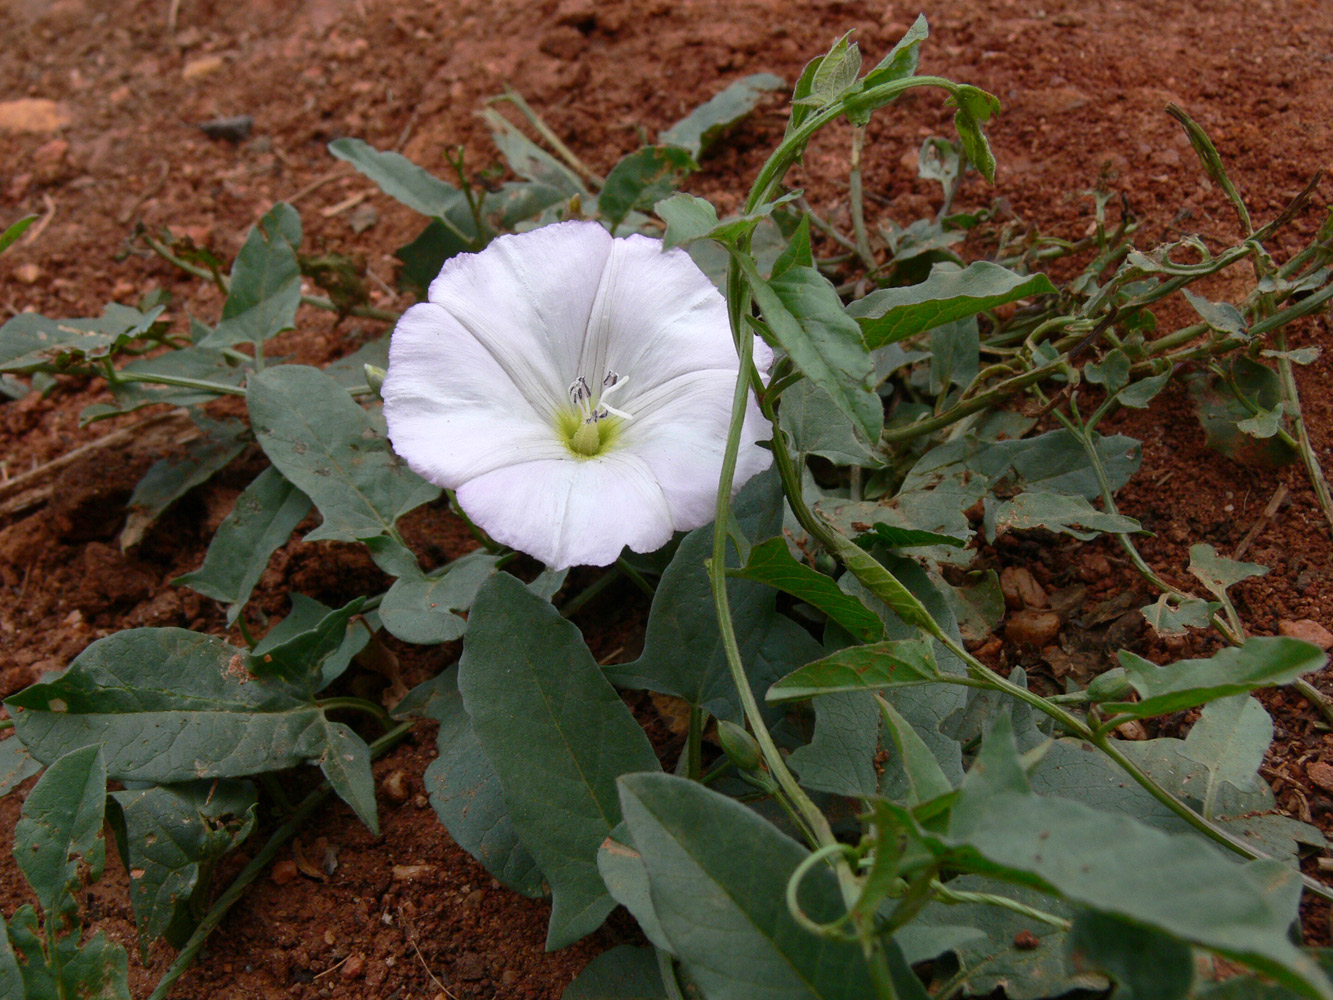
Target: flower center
point(594, 421)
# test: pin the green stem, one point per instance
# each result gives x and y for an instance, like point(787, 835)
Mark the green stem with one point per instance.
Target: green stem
point(956, 896)
point(357, 705)
point(1291, 406)
point(635, 577)
point(255, 868)
point(571, 606)
point(857, 201)
point(218, 388)
point(694, 743)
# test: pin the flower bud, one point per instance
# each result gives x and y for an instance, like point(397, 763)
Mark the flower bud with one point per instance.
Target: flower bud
point(1110, 686)
point(740, 746)
point(374, 378)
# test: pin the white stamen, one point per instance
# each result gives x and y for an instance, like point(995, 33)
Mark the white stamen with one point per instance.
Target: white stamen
point(593, 410)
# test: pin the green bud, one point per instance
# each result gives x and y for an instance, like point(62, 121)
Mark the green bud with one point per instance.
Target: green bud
point(1110, 686)
point(740, 746)
point(375, 378)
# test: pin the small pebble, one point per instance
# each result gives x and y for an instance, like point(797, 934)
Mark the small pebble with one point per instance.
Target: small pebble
point(1320, 774)
point(1033, 628)
point(283, 872)
point(1307, 629)
point(395, 787)
point(354, 967)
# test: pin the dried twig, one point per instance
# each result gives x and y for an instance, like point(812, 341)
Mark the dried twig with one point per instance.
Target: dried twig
point(1270, 510)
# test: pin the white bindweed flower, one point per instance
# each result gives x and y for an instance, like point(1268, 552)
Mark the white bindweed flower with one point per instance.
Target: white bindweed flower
point(574, 389)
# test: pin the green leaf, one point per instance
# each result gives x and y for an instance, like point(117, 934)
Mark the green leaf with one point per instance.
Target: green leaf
point(521, 660)
point(1220, 411)
point(689, 218)
point(465, 791)
point(298, 649)
point(626, 878)
point(901, 61)
point(333, 451)
point(1229, 740)
point(1072, 515)
point(1043, 843)
point(30, 342)
point(805, 315)
point(818, 427)
point(16, 764)
point(169, 705)
point(403, 181)
point(16, 230)
point(625, 972)
point(891, 663)
point(58, 846)
point(840, 758)
point(1217, 573)
point(344, 760)
point(772, 563)
point(11, 976)
point(955, 355)
point(1176, 618)
point(833, 75)
point(682, 650)
point(262, 521)
point(425, 255)
point(265, 286)
point(1220, 316)
point(709, 855)
point(1144, 391)
point(989, 959)
point(640, 179)
point(1147, 964)
point(975, 108)
point(529, 160)
point(797, 252)
point(169, 479)
point(1261, 662)
point(1111, 373)
point(60, 829)
point(170, 837)
point(924, 774)
point(425, 610)
point(893, 314)
point(715, 117)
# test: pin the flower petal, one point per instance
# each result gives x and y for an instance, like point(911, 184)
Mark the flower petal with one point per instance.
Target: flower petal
point(452, 410)
point(656, 317)
point(527, 299)
point(680, 431)
point(571, 512)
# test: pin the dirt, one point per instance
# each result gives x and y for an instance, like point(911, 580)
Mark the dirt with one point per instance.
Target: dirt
point(1083, 86)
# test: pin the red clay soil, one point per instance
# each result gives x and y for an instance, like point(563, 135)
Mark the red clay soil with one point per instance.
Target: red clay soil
point(1083, 85)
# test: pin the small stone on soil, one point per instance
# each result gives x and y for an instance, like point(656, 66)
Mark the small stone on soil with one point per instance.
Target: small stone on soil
point(1307, 629)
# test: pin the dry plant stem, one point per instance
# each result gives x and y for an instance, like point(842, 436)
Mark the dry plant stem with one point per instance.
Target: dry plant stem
point(252, 871)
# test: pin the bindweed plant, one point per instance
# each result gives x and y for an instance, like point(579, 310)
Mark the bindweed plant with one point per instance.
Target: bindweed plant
point(798, 456)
